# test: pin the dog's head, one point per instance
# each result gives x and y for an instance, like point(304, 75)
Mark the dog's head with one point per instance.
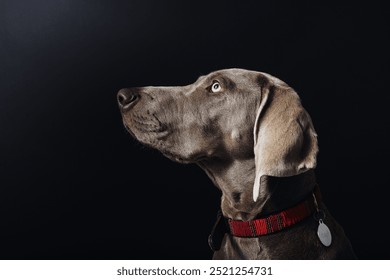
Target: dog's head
point(228, 114)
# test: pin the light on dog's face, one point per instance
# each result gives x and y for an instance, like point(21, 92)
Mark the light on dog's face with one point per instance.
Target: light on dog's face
point(191, 123)
point(172, 120)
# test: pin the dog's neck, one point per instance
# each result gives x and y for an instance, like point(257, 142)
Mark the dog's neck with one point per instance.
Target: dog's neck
point(276, 194)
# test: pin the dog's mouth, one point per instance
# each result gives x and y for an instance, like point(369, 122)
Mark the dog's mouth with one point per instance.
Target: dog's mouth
point(138, 124)
point(147, 124)
point(148, 130)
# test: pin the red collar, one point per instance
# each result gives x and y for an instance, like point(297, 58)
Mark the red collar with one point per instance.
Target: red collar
point(278, 221)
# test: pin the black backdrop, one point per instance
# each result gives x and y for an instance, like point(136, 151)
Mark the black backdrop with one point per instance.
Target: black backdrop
point(74, 185)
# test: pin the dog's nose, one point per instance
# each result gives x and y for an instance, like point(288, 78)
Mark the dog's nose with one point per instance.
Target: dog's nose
point(127, 98)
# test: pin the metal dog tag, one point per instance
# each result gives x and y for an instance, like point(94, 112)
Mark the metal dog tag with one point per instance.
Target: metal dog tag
point(324, 234)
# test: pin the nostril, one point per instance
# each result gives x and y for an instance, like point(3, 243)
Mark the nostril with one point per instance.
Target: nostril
point(126, 98)
point(121, 99)
point(132, 98)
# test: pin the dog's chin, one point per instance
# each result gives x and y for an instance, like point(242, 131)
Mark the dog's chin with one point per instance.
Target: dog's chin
point(129, 130)
point(182, 159)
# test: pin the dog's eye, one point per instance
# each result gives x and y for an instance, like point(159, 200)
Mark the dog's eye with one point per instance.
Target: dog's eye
point(216, 87)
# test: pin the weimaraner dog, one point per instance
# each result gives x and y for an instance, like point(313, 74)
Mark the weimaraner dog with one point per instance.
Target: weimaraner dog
point(249, 132)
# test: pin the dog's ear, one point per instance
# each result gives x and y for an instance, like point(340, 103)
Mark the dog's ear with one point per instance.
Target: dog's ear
point(285, 143)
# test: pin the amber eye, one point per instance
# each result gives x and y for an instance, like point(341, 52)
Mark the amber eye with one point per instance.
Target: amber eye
point(216, 87)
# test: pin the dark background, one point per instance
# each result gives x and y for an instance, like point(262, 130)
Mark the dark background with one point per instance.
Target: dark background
point(74, 185)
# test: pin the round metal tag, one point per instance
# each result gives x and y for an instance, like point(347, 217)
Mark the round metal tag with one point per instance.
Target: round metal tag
point(324, 234)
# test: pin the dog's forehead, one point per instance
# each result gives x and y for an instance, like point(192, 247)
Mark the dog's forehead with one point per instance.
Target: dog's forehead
point(234, 74)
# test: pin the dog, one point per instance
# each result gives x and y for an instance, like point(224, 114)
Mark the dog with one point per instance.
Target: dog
point(251, 135)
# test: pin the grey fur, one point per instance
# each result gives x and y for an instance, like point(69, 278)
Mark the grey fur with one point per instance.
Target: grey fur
point(252, 130)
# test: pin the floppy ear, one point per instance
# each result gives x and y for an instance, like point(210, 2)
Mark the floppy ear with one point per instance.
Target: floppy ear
point(285, 143)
